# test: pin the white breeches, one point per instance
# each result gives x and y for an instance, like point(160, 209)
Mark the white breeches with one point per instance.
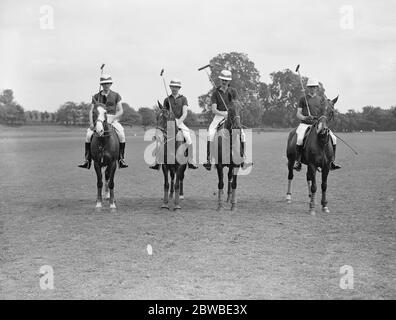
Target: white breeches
point(117, 126)
point(302, 128)
point(213, 126)
point(185, 130)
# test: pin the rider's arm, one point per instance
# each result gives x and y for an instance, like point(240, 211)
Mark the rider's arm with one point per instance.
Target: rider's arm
point(119, 111)
point(300, 115)
point(217, 112)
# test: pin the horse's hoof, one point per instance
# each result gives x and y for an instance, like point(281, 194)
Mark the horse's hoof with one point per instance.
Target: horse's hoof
point(219, 208)
point(233, 207)
point(165, 206)
point(113, 206)
point(325, 210)
point(181, 197)
point(98, 205)
point(177, 208)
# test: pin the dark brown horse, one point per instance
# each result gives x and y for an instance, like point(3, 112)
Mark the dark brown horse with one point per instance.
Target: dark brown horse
point(105, 152)
point(229, 154)
point(172, 153)
point(318, 152)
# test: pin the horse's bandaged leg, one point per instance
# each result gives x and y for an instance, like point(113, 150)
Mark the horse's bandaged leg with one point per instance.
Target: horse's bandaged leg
point(333, 138)
point(89, 135)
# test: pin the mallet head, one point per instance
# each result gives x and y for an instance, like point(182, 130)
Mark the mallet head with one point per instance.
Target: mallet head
point(204, 67)
point(298, 68)
point(162, 72)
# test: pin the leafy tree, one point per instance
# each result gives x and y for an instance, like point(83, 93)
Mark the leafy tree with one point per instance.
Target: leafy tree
point(245, 79)
point(148, 117)
point(10, 111)
point(130, 116)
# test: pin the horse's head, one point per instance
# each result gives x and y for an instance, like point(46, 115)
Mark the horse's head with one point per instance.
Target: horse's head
point(101, 119)
point(163, 115)
point(330, 107)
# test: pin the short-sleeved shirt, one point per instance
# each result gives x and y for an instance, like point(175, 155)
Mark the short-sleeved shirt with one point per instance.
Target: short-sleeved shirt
point(110, 101)
point(176, 104)
point(316, 106)
point(229, 96)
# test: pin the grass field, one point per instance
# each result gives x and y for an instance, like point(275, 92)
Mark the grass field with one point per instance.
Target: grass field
point(266, 249)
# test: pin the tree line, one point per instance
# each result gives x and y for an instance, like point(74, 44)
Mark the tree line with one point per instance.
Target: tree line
point(262, 104)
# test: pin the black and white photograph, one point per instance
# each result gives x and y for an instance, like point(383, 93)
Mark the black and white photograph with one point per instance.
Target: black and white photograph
point(185, 150)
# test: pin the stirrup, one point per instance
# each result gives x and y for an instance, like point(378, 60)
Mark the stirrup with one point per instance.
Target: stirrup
point(207, 166)
point(297, 166)
point(155, 166)
point(122, 163)
point(192, 166)
point(334, 166)
point(85, 165)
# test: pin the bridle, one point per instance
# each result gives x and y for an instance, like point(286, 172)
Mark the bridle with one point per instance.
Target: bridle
point(324, 132)
point(163, 128)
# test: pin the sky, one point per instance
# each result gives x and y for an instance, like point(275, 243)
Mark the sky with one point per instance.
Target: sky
point(349, 46)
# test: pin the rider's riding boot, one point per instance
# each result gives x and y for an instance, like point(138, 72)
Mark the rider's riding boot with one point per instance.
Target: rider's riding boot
point(333, 165)
point(297, 164)
point(208, 165)
point(191, 162)
point(122, 162)
point(155, 166)
point(87, 163)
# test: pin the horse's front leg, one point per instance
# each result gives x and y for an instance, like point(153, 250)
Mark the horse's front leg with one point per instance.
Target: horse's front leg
point(165, 170)
point(107, 178)
point(312, 177)
point(172, 183)
point(234, 186)
point(182, 172)
point(112, 169)
point(220, 186)
point(290, 177)
point(325, 174)
point(99, 185)
point(177, 190)
point(229, 186)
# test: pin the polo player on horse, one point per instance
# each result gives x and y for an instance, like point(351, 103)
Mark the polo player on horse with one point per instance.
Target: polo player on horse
point(177, 104)
point(222, 99)
point(111, 101)
point(316, 108)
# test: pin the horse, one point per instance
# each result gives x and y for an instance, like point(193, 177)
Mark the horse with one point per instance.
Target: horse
point(317, 154)
point(227, 143)
point(105, 153)
point(175, 169)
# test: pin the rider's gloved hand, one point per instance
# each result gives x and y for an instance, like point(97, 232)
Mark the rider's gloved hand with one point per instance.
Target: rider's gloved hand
point(310, 118)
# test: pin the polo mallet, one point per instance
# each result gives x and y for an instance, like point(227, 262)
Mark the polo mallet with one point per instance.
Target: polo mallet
point(213, 83)
point(302, 86)
point(166, 90)
point(101, 73)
